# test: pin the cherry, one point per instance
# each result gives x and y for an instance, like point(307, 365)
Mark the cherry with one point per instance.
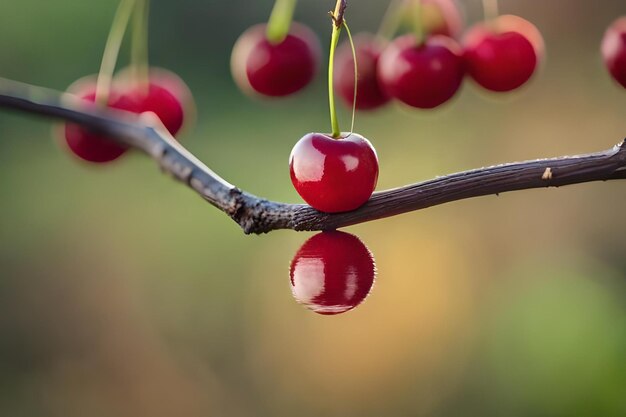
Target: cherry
point(614, 50)
point(503, 54)
point(84, 143)
point(369, 92)
point(442, 17)
point(275, 70)
point(422, 76)
point(332, 273)
point(334, 175)
point(166, 95)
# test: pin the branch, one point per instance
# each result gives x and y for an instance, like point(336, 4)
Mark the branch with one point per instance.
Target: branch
point(257, 215)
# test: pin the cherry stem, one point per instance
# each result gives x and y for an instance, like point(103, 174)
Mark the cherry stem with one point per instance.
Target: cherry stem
point(112, 49)
point(490, 10)
point(280, 20)
point(418, 21)
point(391, 20)
point(337, 17)
point(139, 48)
point(356, 73)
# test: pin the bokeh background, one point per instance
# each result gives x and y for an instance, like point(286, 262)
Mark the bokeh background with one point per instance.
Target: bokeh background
point(124, 294)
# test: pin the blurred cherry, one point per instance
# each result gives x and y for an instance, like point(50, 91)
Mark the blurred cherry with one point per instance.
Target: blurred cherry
point(84, 143)
point(422, 75)
point(503, 54)
point(332, 273)
point(614, 50)
point(275, 69)
point(166, 95)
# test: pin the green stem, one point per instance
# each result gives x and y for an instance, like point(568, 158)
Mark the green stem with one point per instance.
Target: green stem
point(111, 50)
point(391, 20)
point(334, 40)
point(356, 73)
point(280, 20)
point(139, 48)
point(418, 21)
point(490, 10)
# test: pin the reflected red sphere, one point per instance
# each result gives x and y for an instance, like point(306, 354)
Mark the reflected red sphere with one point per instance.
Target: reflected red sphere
point(275, 69)
point(614, 50)
point(334, 175)
point(423, 76)
point(370, 95)
point(332, 273)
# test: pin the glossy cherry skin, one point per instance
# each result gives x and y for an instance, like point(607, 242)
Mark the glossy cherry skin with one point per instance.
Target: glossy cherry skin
point(275, 69)
point(370, 95)
point(332, 273)
point(423, 76)
point(442, 17)
point(614, 50)
point(334, 175)
point(166, 95)
point(88, 145)
point(502, 56)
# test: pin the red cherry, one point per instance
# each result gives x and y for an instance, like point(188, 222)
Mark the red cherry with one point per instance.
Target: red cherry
point(167, 96)
point(442, 17)
point(158, 100)
point(614, 50)
point(369, 92)
point(332, 273)
point(503, 54)
point(84, 143)
point(275, 70)
point(334, 175)
point(422, 76)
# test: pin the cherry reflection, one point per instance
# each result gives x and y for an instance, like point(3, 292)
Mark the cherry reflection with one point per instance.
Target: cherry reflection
point(332, 273)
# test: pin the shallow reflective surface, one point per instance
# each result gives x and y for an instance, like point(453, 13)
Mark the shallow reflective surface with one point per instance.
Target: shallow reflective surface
point(332, 273)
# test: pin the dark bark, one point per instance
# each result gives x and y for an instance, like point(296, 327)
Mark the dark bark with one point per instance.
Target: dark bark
point(257, 215)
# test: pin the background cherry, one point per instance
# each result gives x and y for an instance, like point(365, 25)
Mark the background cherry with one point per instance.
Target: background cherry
point(275, 70)
point(369, 92)
point(86, 144)
point(423, 76)
point(334, 175)
point(503, 54)
point(332, 273)
point(167, 96)
point(614, 50)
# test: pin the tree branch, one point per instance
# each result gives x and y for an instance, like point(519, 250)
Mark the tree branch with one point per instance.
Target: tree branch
point(257, 215)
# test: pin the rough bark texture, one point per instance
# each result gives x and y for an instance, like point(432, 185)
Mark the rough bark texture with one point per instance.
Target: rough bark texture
point(257, 215)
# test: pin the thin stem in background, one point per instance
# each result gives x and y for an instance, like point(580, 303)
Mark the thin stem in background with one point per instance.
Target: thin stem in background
point(112, 49)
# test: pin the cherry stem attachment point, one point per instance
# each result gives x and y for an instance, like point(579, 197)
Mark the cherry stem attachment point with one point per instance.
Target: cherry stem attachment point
point(280, 20)
point(337, 17)
point(418, 21)
point(139, 48)
point(112, 49)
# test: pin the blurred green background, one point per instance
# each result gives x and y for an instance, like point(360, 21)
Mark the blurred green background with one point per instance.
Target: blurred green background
point(124, 294)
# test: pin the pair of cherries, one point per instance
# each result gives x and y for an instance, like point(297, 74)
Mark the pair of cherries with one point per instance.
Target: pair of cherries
point(500, 55)
point(164, 94)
